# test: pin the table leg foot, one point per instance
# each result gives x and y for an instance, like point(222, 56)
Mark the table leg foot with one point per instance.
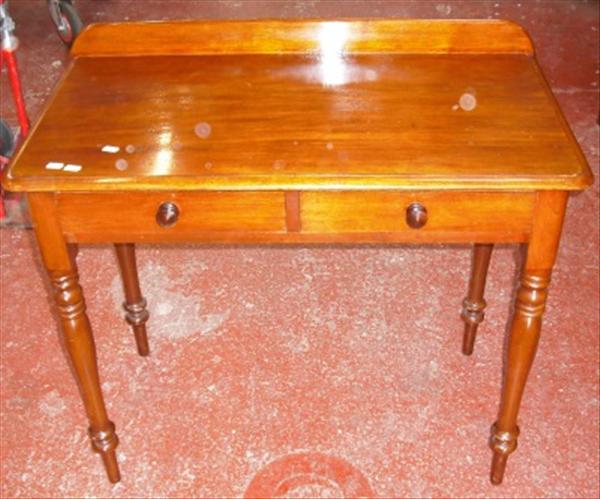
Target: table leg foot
point(111, 466)
point(104, 442)
point(472, 314)
point(502, 443)
point(136, 313)
point(474, 304)
point(498, 467)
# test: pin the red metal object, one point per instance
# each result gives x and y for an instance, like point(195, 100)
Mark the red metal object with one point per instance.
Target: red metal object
point(3, 162)
point(7, 57)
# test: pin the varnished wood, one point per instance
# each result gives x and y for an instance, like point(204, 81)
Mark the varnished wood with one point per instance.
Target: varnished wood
point(270, 36)
point(297, 121)
point(136, 313)
point(526, 323)
point(474, 304)
point(314, 217)
point(73, 250)
point(78, 337)
point(208, 212)
point(292, 211)
point(303, 132)
point(298, 238)
point(483, 213)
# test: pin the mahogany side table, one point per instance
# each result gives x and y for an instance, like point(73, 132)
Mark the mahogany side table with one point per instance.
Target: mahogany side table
point(362, 131)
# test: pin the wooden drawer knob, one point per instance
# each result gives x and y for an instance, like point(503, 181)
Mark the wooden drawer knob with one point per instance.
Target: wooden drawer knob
point(167, 214)
point(416, 215)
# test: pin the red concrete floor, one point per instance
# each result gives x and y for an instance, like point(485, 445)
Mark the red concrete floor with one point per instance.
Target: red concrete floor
point(307, 372)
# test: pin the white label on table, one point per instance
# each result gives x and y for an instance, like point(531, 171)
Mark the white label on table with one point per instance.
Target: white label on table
point(54, 165)
point(111, 149)
point(72, 168)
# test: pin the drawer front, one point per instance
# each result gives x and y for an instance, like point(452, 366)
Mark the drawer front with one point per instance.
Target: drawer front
point(445, 216)
point(305, 217)
point(181, 215)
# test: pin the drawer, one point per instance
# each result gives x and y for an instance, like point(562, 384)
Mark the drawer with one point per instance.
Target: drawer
point(132, 217)
point(452, 216)
point(306, 217)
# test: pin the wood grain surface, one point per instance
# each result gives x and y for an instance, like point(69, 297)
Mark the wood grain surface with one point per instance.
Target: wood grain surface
point(306, 217)
point(303, 36)
point(249, 122)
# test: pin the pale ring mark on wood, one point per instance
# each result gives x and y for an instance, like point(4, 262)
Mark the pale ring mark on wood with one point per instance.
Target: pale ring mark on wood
point(203, 130)
point(121, 164)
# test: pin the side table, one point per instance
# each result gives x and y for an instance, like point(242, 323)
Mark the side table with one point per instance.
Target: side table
point(304, 132)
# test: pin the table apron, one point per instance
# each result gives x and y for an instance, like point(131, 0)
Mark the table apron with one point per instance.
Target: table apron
point(307, 217)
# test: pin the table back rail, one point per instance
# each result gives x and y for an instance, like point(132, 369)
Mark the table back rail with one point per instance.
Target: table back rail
point(422, 36)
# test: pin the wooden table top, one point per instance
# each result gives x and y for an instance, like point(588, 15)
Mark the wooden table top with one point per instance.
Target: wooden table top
point(302, 105)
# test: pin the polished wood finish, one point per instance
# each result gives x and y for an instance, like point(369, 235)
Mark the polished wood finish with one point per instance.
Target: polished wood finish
point(83, 216)
point(526, 323)
point(474, 304)
point(451, 216)
point(136, 313)
point(306, 217)
point(77, 333)
point(342, 131)
point(73, 250)
point(337, 119)
point(421, 36)
point(292, 211)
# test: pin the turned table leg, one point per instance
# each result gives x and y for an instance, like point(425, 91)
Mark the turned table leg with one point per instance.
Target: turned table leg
point(474, 304)
point(526, 323)
point(134, 305)
point(59, 259)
